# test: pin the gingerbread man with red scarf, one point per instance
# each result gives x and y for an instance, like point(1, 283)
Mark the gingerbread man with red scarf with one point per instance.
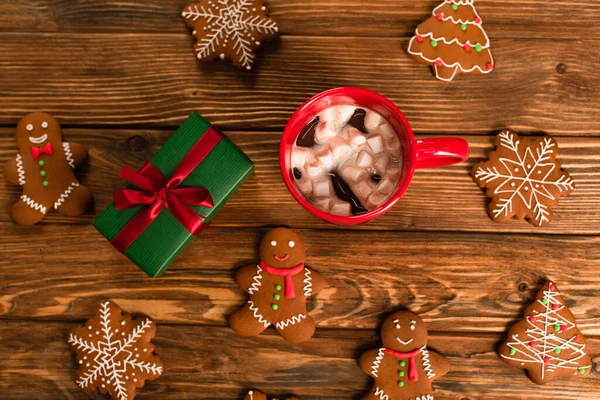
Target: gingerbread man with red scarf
point(44, 167)
point(278, 286)
point(403, 368)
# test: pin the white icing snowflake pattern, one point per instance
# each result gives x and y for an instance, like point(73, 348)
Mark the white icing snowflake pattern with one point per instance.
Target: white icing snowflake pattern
point(230, 29)
point(523, 178)
point(114, 353)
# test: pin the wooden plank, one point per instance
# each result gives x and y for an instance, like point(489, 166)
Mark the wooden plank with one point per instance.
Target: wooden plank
point(512, 18)
point(141, 79)
point(456, 282)
point(438, 199)
point(213, 363)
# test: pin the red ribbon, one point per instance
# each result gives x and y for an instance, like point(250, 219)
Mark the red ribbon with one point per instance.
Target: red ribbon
point(36, 151)
point(290, 290)
point(413, 373)
point(157, 193)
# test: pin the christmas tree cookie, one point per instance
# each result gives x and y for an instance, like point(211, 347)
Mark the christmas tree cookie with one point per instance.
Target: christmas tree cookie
point(547, 342)
point(453, 41)
point(523, 178)
point(403, 368)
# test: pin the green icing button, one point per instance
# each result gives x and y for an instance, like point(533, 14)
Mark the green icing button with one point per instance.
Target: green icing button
point(45, 183)
point(41, 163)
point(557, 350)
point(513, 351)
point(556, 327)
point(276, 296)
point(400, 373)
point(478, 49)
point(463, 27)
point(43, 173)
point(434, 43)
point(274, 307)
point(454, 7)
point(278, 287)
point(400, 383)
point(402, 363)
point(581, 370)
point(544, 300)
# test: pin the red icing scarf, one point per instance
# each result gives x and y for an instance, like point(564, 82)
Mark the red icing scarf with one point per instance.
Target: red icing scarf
point(290, 291)
point(413, 373)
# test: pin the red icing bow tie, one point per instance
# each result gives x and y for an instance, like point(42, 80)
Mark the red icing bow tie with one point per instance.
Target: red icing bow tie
point(290, 290)
point(413, 373)
point(47, 149)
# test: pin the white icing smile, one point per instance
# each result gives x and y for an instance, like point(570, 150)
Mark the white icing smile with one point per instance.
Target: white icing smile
point(38, 140)
point(403, 342)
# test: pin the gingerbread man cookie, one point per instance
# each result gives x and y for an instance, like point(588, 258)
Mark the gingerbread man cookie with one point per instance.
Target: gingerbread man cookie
point(256, 395)
point(44, 167)
point(278, 286)
point(403, 368)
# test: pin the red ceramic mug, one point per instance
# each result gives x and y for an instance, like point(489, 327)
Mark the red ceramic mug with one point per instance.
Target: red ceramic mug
point(422, 153)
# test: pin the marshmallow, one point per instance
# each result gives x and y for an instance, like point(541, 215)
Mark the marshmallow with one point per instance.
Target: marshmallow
point(363, 190)
point(381, 164)
point(325, 157)
point(393, 173)
point(386, 186)
point(355, 137)
point(341, 208)
point(345, 113)
point(393, 148)
point(364, 160)
point(325, 131)
point(322, 188)
point(313, 169)
point(299, 156)
point(375, 200)
point(340, 147)
point(305, 186)
point(353, 174)
point(388, 133)
point(376, 143)
point(329, 114)
point(324, 204)
point(373, 120)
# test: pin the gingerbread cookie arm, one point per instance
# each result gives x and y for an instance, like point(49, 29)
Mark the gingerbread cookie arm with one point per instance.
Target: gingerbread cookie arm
point(76, 153)
point(317, 281)
point(369, 361)
point(11, 171)
point(439, 364)
point(247, 277)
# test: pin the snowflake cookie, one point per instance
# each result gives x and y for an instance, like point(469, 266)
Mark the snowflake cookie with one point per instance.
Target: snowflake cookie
point(523, 178)
point(114, 352)
point(547, 342)
point(229, 29)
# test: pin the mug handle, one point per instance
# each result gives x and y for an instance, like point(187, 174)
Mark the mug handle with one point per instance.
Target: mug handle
point(440, 152)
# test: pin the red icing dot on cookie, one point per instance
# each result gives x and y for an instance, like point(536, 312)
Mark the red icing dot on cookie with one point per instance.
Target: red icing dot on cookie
point(477, 20)
point(532, 319)
point(419, 38)
point(563, 328)
point(577, 338)
point(555, 306)
point(439, 16)
point(439, 63)
point(467, 47)
point(552, 287)
point(546, 360)
point(533, 344)
point(490, 66)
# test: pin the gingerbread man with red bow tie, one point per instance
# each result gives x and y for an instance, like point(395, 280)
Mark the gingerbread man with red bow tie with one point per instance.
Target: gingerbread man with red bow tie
point(278, 286)
point(44, 167)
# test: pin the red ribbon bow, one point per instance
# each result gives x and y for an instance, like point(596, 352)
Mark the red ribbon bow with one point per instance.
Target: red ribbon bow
point(158, 193)
point(47, 149)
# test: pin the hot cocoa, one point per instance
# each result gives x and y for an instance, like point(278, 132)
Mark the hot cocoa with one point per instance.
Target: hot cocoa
point(347, 160)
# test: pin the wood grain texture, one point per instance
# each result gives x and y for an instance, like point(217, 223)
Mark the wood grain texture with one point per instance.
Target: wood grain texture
point(212, 363)
point(511, 18)
point(456, 282)
point(137, 79)
point(438, 199)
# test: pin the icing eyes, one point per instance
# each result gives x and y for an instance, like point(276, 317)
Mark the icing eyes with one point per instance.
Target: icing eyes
point(413, 325)
point(273, 243)
point(44, 124)
point(291, 243)
point(29, 127)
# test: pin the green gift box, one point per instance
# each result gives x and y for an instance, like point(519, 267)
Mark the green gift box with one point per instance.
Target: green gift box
point(173, 196)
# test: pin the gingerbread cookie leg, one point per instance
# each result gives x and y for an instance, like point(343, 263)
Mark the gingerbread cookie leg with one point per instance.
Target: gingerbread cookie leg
point(27, 211)
point(374, 394)
point(297, 332)
point(74, 200)
point(248, 321)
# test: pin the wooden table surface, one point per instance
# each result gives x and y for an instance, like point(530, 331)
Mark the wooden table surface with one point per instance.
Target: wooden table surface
point(121, 76)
